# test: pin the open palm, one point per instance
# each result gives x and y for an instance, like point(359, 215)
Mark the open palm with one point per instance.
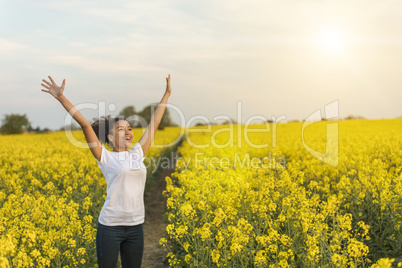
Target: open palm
point(168, 88)
point(52, 87)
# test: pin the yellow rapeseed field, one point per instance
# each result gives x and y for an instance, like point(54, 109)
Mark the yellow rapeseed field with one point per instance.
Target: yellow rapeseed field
point(233, 203)
point(51, 193)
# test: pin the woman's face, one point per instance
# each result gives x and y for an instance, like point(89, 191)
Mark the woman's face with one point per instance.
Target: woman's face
point(121, 135)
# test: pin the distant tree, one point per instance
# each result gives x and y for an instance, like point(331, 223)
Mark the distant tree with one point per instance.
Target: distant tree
point(72, 126)
point(353, 117)
point(127, 111)
point(147, 112)
point(30, 129)
point(37, 130)
point(14, 124)
point(198, 124)
point(229, 122)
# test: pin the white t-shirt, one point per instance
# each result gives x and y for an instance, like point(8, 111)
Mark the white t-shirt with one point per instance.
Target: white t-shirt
point(125, 175)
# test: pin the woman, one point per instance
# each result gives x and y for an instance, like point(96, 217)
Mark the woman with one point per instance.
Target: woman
point(120, 221)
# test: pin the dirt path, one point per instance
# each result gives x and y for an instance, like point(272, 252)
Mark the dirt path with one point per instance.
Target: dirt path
point(154, 227)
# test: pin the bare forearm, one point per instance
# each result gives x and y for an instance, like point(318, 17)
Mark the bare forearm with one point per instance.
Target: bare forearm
point(160, 110)
point(90, 135)
point(81, 120)
point(150, 131)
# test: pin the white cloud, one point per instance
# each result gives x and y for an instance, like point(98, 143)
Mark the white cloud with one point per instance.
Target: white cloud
point(103, 64)
point(7, 46)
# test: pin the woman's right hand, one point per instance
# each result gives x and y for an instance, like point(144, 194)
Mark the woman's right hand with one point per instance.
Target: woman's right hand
point(53, 89)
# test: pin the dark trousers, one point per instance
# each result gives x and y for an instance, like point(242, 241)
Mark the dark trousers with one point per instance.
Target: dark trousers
point(128, 240)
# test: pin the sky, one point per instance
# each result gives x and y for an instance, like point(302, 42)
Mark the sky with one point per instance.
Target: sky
point(241, 59)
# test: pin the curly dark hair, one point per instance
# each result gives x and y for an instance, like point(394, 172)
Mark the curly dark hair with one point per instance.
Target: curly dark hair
point(103, 125)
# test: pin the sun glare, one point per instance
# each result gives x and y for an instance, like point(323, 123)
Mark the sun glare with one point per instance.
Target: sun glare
point(332, 40)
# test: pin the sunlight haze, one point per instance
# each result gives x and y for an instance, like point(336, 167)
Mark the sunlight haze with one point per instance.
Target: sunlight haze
point(276, 57)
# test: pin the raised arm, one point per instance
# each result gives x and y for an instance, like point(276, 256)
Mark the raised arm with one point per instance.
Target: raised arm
point(150, 131)
point(90, 136)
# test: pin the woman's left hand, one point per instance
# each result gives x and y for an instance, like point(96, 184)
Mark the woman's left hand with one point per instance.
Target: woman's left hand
point(168, 88)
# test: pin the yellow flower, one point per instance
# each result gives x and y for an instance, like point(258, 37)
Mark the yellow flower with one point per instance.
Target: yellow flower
point(205, 232)
point(383, 263)
point(215, 256)
point(186, 245)
point(81, 251)
point(235, 248)
point(260, 258)
point(162, 241)
point(181, 230)
point(187, 258)
point(357, 249)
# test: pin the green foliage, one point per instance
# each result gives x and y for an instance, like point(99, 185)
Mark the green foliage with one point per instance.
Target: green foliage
point(127, 111)
point(14, 124)
point(145, 116)
point(147, 112)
